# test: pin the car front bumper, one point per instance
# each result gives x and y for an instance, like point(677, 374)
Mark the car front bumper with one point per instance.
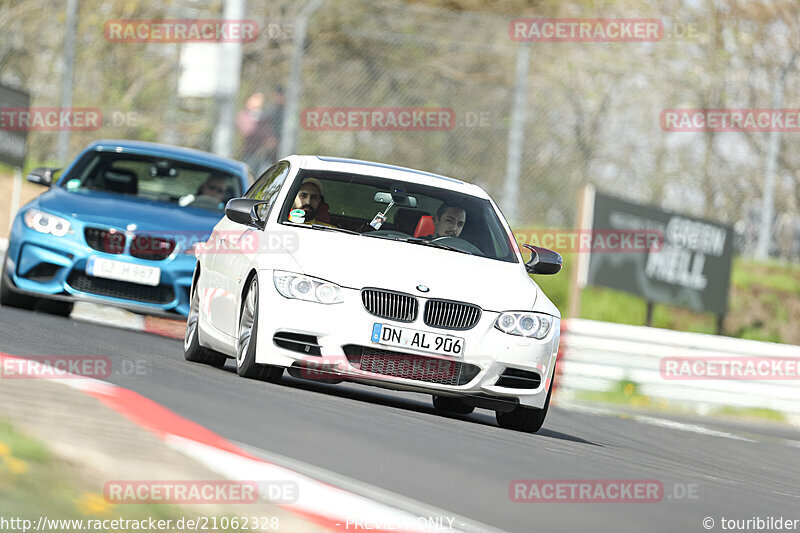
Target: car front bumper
point(42, 265)
point(338, 331)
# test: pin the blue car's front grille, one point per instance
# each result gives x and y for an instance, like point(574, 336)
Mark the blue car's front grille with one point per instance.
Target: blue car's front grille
point(160, 294)
point(109, 241)
point(152, 247)
point(112, 241)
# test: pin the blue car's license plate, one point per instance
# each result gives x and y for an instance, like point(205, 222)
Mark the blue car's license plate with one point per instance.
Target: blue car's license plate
point(120, 271)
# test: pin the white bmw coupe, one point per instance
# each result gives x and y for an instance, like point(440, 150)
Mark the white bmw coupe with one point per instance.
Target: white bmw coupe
point(346, 270)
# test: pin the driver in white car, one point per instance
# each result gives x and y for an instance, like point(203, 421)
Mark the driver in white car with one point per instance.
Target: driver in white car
point(448, 221)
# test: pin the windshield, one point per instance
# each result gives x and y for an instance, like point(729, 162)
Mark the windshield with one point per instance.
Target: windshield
point(154, 178)
point(415, 214)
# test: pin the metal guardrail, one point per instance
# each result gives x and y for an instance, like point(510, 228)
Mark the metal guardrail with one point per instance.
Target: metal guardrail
point(597, 355)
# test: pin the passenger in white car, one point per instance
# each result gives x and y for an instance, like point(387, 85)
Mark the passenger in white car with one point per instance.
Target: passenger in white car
point(448, 221)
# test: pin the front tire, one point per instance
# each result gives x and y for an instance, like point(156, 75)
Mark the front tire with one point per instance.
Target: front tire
point(246, 365)
point(55, 307)
point(526, 419)
point(192, 350)
point(9, 297)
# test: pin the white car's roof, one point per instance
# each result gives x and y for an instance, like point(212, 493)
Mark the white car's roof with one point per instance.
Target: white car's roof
point(382, 170)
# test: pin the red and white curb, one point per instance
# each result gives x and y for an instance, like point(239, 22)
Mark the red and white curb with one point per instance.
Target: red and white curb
point(117, 317)
point(318, 502)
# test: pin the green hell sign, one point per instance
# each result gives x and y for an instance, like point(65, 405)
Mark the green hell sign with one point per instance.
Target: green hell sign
point(688, 265)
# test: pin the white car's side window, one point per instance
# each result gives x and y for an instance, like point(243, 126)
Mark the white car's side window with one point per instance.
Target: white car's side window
point(268, 185)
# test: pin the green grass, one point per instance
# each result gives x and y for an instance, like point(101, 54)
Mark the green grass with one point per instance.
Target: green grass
point(750, 412)
point(627, 393)
point(623, 392)
point(773, 275)
point(33, 483)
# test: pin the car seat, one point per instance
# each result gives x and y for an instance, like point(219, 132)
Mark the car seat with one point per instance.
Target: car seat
point(121, 180)
point(406, 220)
point(425, 226)
point(323, 212)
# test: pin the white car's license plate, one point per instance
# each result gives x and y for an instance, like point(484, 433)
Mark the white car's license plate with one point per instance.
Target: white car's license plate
point(106, 268)
point(390, 335)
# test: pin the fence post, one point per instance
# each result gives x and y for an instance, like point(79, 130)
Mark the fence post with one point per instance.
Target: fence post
point(288, 144)
point(15, 196)
point(516, 133)
point(768, 199)
point(67, 77)
point(228, 77)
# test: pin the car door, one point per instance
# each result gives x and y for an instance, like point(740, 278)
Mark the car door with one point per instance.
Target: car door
point(238, 245)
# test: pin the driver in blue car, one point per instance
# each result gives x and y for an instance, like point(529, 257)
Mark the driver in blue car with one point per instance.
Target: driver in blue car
point(448, 221)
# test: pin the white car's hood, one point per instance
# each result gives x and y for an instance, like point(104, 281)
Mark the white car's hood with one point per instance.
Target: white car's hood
point(357, 262)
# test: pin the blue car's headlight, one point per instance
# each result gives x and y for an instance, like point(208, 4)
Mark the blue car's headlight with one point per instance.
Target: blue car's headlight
point(524, 324)
point(46, 223)
point(307, 288)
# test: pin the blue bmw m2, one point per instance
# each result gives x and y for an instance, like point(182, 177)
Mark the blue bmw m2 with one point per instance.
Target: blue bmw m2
point(119, 226)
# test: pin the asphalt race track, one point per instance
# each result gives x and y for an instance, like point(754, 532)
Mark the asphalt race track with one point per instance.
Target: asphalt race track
point(461, 464)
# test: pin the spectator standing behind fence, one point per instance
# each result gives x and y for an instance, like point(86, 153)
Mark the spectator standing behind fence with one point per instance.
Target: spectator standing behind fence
point(259, 141)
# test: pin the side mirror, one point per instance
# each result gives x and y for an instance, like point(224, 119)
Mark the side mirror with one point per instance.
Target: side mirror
point(243, 211)
point(42, 175)
point(543, 260)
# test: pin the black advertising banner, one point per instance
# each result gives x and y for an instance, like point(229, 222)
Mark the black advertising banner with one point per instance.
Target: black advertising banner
point(690, 266)
point(12, 140)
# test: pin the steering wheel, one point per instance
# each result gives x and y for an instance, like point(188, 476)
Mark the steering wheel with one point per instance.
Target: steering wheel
point(206, 202)
point(460, 244)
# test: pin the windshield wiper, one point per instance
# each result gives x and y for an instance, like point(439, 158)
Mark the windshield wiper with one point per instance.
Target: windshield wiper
point(333, 228)
point(415, 240)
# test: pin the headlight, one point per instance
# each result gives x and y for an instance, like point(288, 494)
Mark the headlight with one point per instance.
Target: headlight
point(307, 288)
point(46, 223)
point(524, 324)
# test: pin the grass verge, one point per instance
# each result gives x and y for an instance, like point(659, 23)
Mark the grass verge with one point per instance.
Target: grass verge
point(34, 483)
point(628, 393)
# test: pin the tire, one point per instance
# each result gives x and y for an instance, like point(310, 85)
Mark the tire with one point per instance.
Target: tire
point(9, 297)
point(452, 405)
point(192, 350)
point(55, 307)
point(527, 419)
point(247, 340)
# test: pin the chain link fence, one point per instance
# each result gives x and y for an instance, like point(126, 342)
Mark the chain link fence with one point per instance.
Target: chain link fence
point(591, 110)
